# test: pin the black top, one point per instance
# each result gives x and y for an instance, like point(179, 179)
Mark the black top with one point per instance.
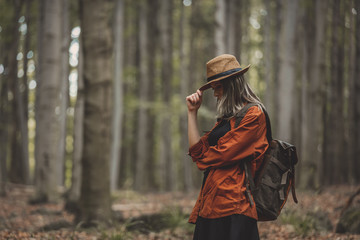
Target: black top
point(220, 130)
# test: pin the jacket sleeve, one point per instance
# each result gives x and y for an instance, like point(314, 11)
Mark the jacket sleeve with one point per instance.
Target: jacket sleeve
point(247, 140)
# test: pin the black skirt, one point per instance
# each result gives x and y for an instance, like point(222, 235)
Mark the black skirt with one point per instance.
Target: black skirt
point(233, 227)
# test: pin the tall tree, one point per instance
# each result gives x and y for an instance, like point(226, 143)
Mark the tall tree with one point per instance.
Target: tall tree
point(356, 102)
point(97, 48)
point(27, 42)
point(271, 33)
point(19, 168)
point(340, 174)
point(25, 92)
point(316, 91)
point(131, 54)
point(143, 152)
point(4, 103)
point(221, 27)
point(153, 45)
point(73, 196)
point(307, 164)
point(166, 157)
point(48, 100)
point(269, 93)
point(4, 92)
point(287, 70)
point(239, 28)
point(118, 93)
point(335, 100)
point(184, 90)
point(277, 26)
point(3, 132)
point(232, 22)
point(64, 91)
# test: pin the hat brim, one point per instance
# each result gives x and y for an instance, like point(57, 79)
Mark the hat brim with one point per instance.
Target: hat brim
point(208, 84)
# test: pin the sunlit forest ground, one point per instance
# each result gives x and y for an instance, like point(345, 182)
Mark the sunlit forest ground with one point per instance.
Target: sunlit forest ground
point(164, 216)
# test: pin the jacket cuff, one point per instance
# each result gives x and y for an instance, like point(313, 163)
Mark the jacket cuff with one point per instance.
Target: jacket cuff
point(196, 151)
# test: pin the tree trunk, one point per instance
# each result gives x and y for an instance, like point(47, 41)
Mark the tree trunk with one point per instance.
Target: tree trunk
point(317, 92)
point(335, 119)
point(73, 196)
point(153, 39)
point(47, 100)
point(269, 58)
point(118, 94)
point(25, 94)
point(9, 128)
point(287, 71)
point(166, 157)
point(27, 42)
point(356, 103)
point(221, 28)
point(307, 165)
point(232, 23)
point(64, 93)
point(4, 112)
point(129, 144)
point(19, 168)
point(276, 45)
point(143, 151)
point(238, 29)
point(244, 16)
point(97, 49)
point(184, 91)
point(341, 163)
point(20, 162)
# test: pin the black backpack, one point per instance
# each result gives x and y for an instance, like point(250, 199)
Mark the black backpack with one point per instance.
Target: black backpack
point(272, 183)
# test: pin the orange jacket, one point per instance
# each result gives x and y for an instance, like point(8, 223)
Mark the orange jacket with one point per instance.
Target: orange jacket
point(223, 193)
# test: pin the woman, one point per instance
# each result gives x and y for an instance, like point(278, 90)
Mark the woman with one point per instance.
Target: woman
point(223, 210)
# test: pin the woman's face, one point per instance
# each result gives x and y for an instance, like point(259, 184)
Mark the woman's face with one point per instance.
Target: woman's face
point(218, 89)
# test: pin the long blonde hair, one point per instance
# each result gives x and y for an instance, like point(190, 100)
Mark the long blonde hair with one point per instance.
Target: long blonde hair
point(236, 93)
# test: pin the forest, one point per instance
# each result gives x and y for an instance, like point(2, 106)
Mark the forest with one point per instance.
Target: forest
point(93, 118)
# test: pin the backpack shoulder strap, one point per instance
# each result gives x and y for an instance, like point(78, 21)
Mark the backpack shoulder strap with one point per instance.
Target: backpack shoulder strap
point(268, 127)
point(242, 114)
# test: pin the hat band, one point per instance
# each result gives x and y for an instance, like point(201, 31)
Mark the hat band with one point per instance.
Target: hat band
point(223, 74)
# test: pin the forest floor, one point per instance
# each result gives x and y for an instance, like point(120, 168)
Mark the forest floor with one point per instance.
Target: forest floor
point(164, 216)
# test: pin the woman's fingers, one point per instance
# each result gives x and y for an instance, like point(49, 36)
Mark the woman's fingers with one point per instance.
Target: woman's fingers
point(191, 99)
point(195, 98)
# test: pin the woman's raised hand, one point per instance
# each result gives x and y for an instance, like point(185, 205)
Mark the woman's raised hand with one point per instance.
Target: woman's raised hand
point(194, 101)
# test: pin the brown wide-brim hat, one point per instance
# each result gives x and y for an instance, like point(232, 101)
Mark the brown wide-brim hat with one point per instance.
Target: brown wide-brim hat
point(221, 67)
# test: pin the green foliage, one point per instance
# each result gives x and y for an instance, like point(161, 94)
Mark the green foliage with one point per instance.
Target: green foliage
point(306, 223)
point(172, 219)
point(176, 218)
point(116, 235)
point(119, 232)
point(349, 221)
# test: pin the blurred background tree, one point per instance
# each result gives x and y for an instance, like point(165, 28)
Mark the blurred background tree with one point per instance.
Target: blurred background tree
point(92, 93)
